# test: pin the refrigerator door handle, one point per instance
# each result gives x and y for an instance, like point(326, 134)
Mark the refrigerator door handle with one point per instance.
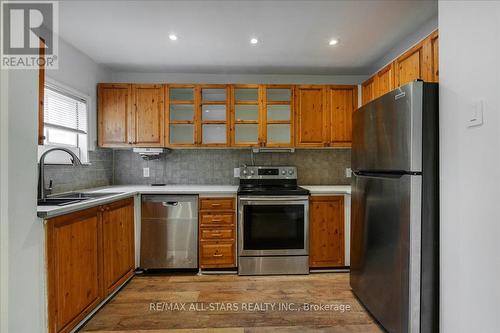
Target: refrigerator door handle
point(380, 174)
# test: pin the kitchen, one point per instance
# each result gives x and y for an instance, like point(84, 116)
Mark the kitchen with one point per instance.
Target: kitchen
point(236, 181)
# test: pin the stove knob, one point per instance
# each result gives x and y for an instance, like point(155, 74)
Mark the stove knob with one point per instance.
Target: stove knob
point(252, 172)
point(283, 172)
point(290, 172)
point(245, 172)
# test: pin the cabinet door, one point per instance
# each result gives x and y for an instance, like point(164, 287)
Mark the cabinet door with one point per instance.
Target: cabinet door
point(118, 243)
point(384, 80)
point(214, 115)
point(74, 267)
point(342, 101)
point(432, 58)
point(410, 66)
point(326, 227)
point(247, 115)
point(183, 116)
point(278, 116)
point(312, 121)
point(368, 90)
point(148, 115)
point(114, 113)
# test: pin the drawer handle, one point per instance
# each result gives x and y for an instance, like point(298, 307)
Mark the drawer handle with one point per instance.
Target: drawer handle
point(216, 221)
point(216, 235)
point(216, 205)
point(218, 255)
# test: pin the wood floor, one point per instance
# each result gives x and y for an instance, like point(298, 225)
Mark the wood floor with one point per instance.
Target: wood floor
point(234, 304)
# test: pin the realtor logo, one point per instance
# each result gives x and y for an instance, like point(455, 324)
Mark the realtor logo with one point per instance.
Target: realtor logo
point(29, 33)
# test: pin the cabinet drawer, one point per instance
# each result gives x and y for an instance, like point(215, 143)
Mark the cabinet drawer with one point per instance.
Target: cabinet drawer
point(214, 234)
point(217, 253)
point(217, 204)
point(215, 219)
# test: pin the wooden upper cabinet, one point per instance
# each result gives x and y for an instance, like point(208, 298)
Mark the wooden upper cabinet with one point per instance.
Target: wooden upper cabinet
point(368, 90)
point(277, 124)
point(247, 115)
point(433, 57)
point(312, 117)
point(118, 243)
point(342, 101)
point(114, 113)
point(148, 123)
point(214, 124)
point(74, 264)
point(384, 80)
point(41, 93)
point(410, 66)
point(419, 62)
point(326, 228)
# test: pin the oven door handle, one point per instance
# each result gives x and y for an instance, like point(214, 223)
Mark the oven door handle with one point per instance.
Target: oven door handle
point(274, 199)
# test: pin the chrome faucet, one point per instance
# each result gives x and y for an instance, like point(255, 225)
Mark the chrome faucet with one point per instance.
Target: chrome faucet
point(42, 191)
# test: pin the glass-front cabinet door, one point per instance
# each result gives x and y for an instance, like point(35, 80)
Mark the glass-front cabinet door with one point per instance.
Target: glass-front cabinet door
point(214, 115)
point(246, 115)
point(182, 115)
point(278, 112)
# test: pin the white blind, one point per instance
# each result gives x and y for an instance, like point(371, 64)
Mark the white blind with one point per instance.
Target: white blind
point(64, 111)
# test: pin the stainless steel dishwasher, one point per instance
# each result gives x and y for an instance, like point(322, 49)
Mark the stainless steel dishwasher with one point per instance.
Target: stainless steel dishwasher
point(169, 231)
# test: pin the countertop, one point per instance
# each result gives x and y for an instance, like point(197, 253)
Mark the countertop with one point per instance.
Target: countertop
point(126, 191)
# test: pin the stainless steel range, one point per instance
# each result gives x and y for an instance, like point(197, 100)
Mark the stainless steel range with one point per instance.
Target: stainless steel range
point(273, 222)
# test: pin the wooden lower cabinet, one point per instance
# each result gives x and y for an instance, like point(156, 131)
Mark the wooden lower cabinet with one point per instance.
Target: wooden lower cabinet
point(217, 243)
point(118, 239)
point(326, 231)
point(89, 253)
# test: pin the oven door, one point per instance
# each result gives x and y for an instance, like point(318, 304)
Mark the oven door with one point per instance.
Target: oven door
point(273, 226)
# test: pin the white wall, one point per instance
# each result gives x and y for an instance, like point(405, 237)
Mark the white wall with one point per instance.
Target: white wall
point(81, 73)
point(25, 250)
point(4, 196)
point(22, 235)
point(469, 38)
point(235, 78)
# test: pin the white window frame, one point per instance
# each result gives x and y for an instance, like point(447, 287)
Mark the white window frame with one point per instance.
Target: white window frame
point(62, 158)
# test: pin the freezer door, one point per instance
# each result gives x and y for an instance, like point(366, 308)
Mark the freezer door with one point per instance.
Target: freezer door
point(385, 249)
point(169, 231)
point(387, 132)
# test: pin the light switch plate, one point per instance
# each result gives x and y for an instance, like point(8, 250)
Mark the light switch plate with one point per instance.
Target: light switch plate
point(236, 172)
point(348, 172)
point(476, 114)
point(145, 172)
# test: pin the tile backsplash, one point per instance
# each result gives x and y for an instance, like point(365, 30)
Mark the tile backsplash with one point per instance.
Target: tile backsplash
point(215, 166)
point(68, 178)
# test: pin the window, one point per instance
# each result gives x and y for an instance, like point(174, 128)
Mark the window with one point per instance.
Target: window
point(65, 122)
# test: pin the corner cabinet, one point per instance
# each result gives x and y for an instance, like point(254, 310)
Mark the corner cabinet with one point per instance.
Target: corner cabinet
point(130, 115)
point(326, 231)
point(89, 254)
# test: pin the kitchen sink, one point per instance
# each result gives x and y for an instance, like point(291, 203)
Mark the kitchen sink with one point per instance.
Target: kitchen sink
point(83, 195)
point(64, 199)
point(57, 202)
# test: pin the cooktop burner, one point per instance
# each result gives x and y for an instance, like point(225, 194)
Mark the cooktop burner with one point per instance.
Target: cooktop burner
point(263, 180)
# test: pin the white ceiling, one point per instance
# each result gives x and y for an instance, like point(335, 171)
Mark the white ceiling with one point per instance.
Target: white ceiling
point(213, 36)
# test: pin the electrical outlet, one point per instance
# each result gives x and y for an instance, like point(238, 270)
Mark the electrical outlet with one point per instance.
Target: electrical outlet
point(236, 172)
point(348, 172)
point(145, 172)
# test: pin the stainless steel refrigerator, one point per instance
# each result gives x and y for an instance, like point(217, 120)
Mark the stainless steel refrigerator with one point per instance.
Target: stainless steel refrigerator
point(395, 216)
